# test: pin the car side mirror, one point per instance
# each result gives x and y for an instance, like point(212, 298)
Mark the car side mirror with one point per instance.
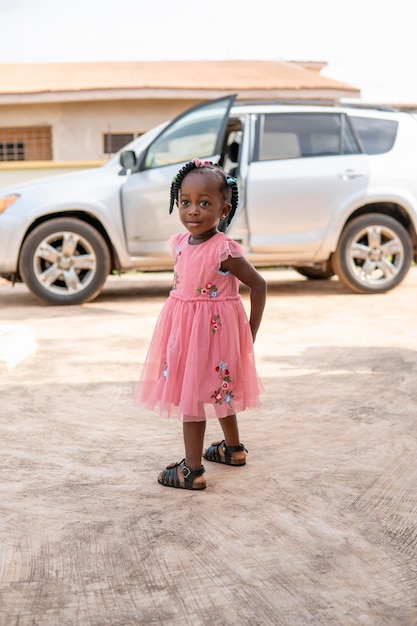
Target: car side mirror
point(128, 160)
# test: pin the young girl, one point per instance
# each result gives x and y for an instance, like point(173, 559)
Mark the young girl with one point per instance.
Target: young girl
point(200, 362)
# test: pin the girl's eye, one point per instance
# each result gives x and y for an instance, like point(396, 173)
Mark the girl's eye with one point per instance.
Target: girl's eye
point(204, 203)
point(184, 203)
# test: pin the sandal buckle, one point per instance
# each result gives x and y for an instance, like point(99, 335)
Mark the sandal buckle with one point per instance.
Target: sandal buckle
point(185, 471)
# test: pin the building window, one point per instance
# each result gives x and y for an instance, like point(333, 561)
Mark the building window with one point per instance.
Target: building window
point(26, 143)
point(113, 142)
point(10, 151)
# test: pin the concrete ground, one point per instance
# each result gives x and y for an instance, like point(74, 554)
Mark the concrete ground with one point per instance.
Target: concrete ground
point(320, 526)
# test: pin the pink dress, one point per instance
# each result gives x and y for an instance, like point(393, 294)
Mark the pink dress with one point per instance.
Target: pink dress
point(200, 361)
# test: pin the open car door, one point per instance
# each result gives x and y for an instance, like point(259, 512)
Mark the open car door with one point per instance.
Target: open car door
point(198, 132)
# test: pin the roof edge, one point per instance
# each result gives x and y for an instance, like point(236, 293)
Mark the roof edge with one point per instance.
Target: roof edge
point(94, 95)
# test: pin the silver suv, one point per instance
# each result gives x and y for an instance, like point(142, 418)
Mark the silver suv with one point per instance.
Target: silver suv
point(326, 189)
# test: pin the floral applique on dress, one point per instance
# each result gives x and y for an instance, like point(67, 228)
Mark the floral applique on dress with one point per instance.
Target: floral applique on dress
point(223, 393)
point(208, 290)
point(177, 253)
point(176, 257)
point(175, 281)
point(215, 323)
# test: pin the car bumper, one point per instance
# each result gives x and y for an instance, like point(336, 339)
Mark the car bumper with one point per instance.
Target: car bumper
point(12, 232)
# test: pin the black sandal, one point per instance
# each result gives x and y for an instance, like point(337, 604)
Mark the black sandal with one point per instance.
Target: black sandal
point(169, 476)
point(213, 453)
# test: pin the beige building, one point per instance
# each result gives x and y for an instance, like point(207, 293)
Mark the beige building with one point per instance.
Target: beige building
point(75, 115)
point(73, 110)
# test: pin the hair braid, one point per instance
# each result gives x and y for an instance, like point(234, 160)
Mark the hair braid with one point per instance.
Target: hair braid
point(234, 200)
point(228, 184)
point(177, 182)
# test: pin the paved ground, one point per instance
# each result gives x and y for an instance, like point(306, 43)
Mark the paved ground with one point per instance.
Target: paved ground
point(319, 528)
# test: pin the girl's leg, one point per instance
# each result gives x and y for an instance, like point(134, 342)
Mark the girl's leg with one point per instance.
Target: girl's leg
point(231, 436)
point(230, 430)
point(193, 433)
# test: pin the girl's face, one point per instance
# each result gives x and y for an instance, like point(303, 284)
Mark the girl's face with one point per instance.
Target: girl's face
point(201, 204)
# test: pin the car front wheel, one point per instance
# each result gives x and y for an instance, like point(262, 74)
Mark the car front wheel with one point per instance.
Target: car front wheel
point(64, 261)
point(374, 254)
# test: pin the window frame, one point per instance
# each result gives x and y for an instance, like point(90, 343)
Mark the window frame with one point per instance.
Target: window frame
point(28, 143)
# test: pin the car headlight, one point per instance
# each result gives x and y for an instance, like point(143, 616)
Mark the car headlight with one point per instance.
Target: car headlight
point(6, 201)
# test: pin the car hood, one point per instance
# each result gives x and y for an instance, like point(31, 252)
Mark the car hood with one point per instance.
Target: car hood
point(82, 178)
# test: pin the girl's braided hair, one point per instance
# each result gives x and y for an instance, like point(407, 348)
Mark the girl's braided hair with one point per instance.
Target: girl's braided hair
point(228, 184)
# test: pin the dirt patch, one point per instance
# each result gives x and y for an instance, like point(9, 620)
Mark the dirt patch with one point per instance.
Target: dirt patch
point(318, 528)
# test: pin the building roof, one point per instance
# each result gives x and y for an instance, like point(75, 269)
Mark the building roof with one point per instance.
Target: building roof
point(29, 82)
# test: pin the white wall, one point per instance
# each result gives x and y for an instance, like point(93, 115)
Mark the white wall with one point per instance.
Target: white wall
point(78, 127)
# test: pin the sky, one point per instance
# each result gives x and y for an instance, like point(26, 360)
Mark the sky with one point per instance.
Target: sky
point(368, 44)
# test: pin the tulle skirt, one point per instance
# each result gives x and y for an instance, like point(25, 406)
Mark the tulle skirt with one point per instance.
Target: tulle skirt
point(200, 363)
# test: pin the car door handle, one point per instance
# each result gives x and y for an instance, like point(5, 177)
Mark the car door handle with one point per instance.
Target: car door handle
point(350, 174)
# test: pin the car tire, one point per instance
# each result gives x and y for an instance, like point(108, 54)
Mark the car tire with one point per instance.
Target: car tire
point(324, 272)
point(374, 254)
point(64, 261)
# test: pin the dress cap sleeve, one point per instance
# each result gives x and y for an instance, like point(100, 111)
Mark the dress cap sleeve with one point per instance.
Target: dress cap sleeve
point(174, 242)
point(229, 247)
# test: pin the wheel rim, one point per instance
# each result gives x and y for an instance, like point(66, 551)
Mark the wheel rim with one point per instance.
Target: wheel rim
point(64, 263)
point(376, 255)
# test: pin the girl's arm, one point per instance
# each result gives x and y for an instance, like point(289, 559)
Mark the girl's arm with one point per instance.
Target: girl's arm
point(249, 276)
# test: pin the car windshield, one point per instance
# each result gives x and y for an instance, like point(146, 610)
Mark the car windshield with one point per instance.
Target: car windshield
point(195, 132)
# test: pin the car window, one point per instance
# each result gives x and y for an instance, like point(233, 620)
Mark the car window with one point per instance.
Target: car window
point(376, 135)
point(193, 134)
point(295, 135)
